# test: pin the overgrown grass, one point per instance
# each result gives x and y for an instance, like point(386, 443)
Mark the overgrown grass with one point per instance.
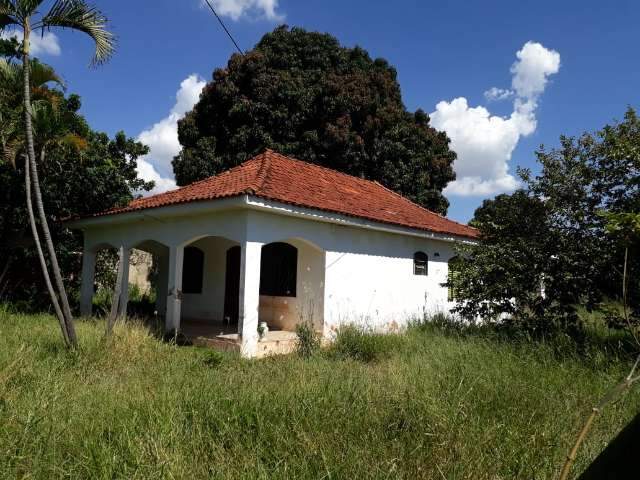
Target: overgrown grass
point(439, 404)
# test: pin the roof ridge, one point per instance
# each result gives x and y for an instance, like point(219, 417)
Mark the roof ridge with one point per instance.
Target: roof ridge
point(263, 171)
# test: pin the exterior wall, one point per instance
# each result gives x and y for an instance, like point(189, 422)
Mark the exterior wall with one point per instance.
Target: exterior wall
point(349, 270)
point(374, 284)
point(368, 275)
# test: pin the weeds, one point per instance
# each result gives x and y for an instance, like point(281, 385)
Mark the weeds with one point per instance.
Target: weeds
point(431, 404)
point(360, 344)
point(308, 340)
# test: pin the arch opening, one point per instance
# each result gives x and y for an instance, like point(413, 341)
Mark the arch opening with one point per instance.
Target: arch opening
point(292, 273)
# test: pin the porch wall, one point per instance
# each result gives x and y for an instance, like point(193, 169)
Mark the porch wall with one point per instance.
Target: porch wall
point(209, 305)
point(308, 305)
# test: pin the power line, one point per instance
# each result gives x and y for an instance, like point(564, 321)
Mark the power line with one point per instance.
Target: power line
point(225, 28)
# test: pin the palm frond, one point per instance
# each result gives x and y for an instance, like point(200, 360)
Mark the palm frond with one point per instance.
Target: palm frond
point(25, 8)
point(10, 151)
point(8, 13)
point(41, 74)
point(78, 15)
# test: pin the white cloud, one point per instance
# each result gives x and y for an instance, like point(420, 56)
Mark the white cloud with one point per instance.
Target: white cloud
point(162, 137)
point(235, 9)
point(495, 93)
point(532, 69)
point(45, 43)
point(485, 142)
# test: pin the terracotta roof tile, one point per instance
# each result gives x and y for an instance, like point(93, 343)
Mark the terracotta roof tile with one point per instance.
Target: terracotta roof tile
point(272, 176)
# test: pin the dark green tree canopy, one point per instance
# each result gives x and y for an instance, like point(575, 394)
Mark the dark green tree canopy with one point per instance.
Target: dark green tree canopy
point(302, 94)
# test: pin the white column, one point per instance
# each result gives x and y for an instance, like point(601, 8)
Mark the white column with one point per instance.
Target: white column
point(87, 279)
point(249, 297)
point(124, 286)
point(174, 295)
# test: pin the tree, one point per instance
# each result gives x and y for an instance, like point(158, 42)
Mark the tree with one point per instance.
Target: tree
point(554, 234)
point(75, 182)
point(75, 15)
point(12, 138)
point(303, 94)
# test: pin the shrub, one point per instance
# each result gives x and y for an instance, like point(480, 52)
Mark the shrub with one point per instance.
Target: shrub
point(363, 345)
point(308, 340)
point(213, 358)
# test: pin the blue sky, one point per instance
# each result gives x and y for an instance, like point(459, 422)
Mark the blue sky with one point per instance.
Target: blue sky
point(577, 69)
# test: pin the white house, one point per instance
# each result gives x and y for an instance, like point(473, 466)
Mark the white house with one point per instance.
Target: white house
point(282, 241)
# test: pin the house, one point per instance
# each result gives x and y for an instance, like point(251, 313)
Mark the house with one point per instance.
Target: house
point(281, 241)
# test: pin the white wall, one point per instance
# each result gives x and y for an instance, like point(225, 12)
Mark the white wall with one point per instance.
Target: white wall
point(369, 276)
point(355, 274)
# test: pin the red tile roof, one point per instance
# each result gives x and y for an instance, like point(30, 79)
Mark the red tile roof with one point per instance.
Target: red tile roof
point(272, 176)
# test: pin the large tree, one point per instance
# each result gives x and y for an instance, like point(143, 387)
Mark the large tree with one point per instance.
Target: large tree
point(545, 250)
point(303, 94)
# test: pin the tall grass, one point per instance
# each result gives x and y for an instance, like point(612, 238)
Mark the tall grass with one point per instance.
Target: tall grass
point(437, 405)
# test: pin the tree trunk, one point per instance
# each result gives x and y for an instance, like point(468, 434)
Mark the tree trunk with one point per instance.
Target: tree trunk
point(57, 275)
point(68, 318)
point(43, 262)
point(115, 301)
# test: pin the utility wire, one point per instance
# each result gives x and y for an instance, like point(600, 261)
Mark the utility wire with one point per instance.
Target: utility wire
point(224, 26)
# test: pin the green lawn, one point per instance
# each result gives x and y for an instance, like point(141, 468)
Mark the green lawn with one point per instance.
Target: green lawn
point(440, 406)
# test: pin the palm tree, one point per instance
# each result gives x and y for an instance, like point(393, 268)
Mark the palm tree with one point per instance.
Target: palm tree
point(12, 141)
point(75, 15)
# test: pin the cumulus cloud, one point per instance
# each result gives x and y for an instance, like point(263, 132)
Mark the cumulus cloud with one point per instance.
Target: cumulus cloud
point(46, 43)
point(162, 137)
point(495, 93)
point(235, 9)
point(485, 142)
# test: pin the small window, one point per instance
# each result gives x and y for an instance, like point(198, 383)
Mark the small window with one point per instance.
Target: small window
point(192, 270)
point(453, 279)
point(278, 270)
point(420, 263)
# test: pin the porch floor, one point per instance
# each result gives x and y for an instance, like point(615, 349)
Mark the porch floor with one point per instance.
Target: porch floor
point(223, 337)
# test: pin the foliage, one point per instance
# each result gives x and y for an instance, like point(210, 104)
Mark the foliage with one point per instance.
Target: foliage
point(439, 406)
point(74, 181)
point(212, 358)
point(356, 343)
point(545, 249)
point(308, 339)
point(302, 94)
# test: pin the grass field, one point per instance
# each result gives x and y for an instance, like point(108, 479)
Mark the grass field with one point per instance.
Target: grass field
point(440, 405)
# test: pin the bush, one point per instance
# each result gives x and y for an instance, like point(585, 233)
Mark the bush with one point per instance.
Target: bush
point(363, 345)
point(308, 340)
point(213, 358)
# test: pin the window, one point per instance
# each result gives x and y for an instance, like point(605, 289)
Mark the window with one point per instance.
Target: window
point(192, 270)
point(453, 279)
point(420, 263)
point(278, 270)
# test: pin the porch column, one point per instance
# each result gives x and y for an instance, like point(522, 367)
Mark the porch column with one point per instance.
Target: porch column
point(87, 279)
point(124, 286)
point(249, 297)
point(174, 294)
